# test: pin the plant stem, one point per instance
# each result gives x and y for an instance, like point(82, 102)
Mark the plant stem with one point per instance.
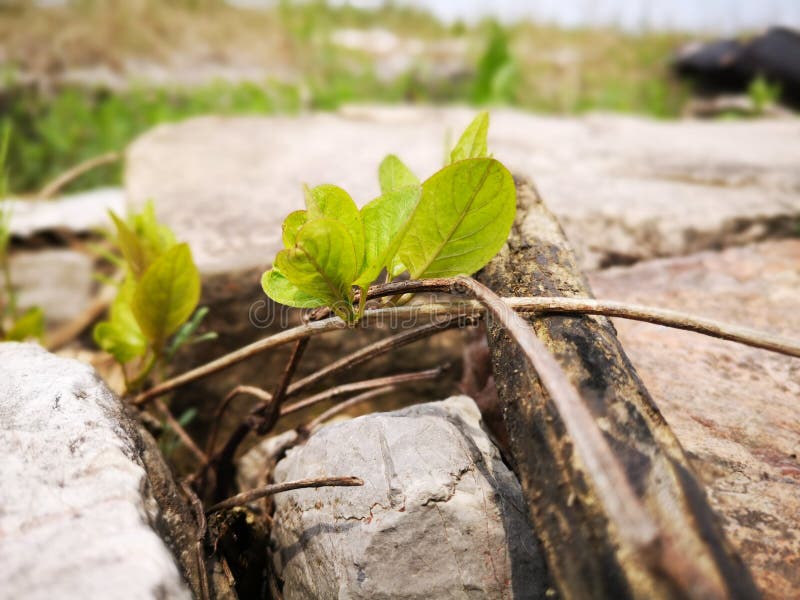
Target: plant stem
point(180, 431)
point(357, 386)
point(376, 349)
point(262, 395)
point(659, 316)
point(275, 488)
point(279, 339)
point(271, 410)
point(349, 403)
point(141, 377)
point(262, 419)
point(74, 172)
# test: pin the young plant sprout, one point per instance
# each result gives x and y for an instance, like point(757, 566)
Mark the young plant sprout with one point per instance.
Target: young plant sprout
point(149, 319)
point(451, 224)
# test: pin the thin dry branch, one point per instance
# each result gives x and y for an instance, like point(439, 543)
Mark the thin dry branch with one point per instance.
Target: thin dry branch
point(262, 395)
point(243, 353)
point(270, 411)
point(180, 431)
point(357, 386)
point(378, 348)
point(74, 172)
point(316, 422)
point(269, 490)
point(659, 316)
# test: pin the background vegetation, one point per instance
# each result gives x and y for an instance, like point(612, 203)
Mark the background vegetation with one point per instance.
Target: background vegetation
point(87, 78)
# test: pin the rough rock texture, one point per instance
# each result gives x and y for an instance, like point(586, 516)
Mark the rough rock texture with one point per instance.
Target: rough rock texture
point(734, 409)
point(60, 281)
point(439, 516)
point(585, 553)
point(77, 517)
point(624, 188)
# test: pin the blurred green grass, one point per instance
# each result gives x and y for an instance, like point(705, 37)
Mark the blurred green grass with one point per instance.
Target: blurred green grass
point(529, 66)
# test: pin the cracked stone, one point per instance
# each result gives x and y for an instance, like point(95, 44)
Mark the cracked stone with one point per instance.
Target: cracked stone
point(440, 514)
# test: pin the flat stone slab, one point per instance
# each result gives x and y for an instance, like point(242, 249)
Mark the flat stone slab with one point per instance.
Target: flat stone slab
point(81, 213)
point(625, 188)
point(76, 516)
point(734, 409)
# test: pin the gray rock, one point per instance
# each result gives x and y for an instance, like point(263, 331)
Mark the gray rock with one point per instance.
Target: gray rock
point(59, 281)
point(625, 188)
point(80, 213)
point(439, 516)
point(733, 408)
point(76, 514)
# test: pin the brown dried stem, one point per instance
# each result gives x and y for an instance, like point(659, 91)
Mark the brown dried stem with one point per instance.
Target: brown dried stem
point(180, 431)
point(336, 409)
point(378, 348)
point(659, 316)
point(271, 410)
point(262, 395)
point(357, 386)
point(74, 172)
point(275, 488)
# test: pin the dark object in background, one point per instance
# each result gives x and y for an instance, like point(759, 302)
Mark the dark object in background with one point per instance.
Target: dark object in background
point(731, 65)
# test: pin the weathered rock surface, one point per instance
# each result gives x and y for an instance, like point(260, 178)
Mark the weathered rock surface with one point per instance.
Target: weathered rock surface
point(77, 515)
point(734, 409)
point(439, 516)
point(624, 188)
point(74, 214)
point(60, 281)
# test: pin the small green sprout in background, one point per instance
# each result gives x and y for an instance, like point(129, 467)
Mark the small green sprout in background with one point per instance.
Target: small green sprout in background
point(14, 325)
point(153, 314)
point(451, 224)
point(763, 94)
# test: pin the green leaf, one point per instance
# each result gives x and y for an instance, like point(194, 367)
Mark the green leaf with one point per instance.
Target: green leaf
point(121, 335)
point(386, 220)
point(461, 221)
point(155, 237)
point(130, 246)
point(186, 332)
point(142, 239)
point(332, 202)
point(283, 291)
point(167, 294)
point(473, 141)
point(291, 225)
point(323, 263)
point(119, 342)
point(29, 325)
point(393, 175)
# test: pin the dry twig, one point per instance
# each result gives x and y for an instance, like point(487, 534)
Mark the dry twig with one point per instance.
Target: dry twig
point(269, 490)
point(74, 172)
point(668, 318)
point(357, 386)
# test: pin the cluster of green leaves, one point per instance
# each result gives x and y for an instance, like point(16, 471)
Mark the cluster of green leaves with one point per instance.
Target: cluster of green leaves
point(451, 224)
point(153, 313)
point(14, 325)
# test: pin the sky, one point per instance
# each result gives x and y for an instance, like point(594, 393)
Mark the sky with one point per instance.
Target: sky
point(715, 16)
